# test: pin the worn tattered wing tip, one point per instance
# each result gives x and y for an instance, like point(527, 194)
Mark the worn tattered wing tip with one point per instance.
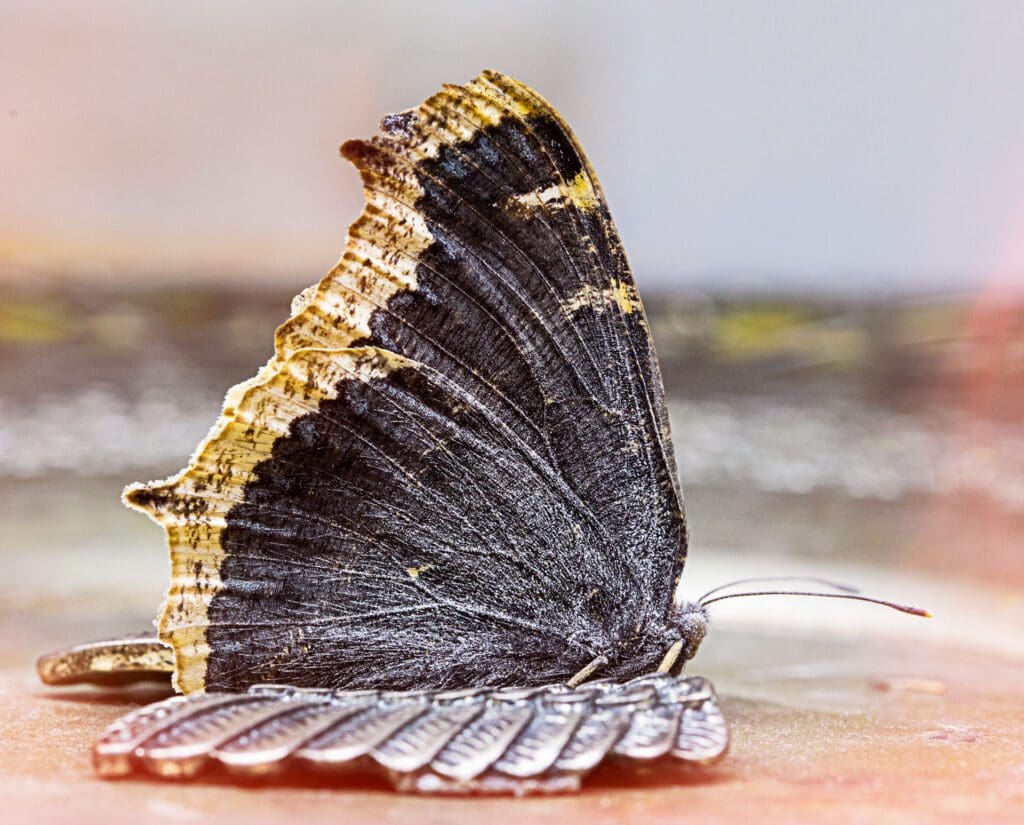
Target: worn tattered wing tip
point(399, 124)
point(506, 741)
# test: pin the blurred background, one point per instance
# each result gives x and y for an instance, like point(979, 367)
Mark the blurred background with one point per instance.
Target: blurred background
point(823, 204)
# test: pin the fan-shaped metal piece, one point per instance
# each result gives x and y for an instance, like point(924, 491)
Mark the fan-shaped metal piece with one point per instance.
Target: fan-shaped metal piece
point(471, 741)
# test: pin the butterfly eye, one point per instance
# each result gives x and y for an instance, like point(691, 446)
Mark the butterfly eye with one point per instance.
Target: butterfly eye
point(697, 626)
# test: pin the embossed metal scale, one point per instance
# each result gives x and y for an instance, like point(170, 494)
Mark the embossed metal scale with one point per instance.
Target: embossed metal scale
point(446, 504)
point(504, 740)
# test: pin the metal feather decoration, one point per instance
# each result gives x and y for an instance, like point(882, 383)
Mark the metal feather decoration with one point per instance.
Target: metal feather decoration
point(503, 740)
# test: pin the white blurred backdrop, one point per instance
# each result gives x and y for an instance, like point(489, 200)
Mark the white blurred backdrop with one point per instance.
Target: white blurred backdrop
point(772, 145)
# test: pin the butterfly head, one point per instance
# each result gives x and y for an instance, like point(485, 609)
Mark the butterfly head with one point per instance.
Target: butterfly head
point(690, 621)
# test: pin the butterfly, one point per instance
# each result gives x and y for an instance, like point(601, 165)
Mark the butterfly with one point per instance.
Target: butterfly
point(456, 470)
point(441, 530)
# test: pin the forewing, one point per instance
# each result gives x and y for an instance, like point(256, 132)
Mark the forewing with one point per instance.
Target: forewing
point(456, 468)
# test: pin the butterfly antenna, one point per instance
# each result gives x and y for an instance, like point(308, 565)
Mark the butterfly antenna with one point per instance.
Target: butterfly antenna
point(846, 588)
point(914, 611)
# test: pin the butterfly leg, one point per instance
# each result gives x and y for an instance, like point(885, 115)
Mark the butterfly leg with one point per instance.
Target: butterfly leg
point(588, 671)
point(671, 655)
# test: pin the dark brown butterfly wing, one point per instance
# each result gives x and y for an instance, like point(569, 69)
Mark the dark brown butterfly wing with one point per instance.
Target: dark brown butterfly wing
point(456, 470)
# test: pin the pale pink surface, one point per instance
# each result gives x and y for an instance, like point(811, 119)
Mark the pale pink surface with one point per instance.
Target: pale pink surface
point(823, 730)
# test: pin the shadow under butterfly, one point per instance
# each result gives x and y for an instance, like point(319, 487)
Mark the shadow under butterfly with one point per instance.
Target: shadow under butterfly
point(441, 530)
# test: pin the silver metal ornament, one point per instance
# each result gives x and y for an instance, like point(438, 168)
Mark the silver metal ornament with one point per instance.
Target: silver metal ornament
point(504, 740)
